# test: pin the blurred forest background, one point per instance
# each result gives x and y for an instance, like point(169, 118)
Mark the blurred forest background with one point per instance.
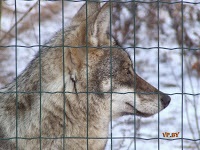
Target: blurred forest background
point(162, 38)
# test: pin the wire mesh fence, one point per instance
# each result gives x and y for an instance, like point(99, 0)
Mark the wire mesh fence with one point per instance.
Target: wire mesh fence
point(162, 39)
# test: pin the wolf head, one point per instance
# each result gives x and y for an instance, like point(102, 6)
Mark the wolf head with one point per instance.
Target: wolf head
point(100, 67)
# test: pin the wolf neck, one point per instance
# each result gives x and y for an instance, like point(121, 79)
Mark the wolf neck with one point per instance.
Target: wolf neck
point(49, 78)
point(86, 119)
point(77, 119)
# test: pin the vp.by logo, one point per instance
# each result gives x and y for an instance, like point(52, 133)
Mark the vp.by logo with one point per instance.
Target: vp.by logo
point(170, 135)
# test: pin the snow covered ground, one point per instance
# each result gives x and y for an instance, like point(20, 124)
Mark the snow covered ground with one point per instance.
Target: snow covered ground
point(181, 116)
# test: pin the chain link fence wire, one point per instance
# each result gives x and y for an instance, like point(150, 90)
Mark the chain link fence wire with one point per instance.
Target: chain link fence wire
point(163, 40)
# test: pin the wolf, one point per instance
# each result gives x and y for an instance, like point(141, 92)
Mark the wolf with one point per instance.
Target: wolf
point(78, 82)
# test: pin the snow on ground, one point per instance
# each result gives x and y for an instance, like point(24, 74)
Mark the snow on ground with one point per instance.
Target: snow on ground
point(170, 81)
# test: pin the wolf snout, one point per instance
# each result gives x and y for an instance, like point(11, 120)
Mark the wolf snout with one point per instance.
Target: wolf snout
point(165, 100)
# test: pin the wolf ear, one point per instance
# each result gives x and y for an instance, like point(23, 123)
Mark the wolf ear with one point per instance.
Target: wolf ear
point(102, 22)
point(92, 7)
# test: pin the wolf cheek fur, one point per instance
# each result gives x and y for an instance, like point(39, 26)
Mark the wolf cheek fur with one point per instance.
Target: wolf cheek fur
point(86, 114)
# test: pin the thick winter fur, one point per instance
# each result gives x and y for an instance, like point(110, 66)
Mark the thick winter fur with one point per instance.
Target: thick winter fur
point(41, 110)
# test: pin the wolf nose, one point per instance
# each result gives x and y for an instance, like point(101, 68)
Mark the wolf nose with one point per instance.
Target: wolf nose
point(165, 100)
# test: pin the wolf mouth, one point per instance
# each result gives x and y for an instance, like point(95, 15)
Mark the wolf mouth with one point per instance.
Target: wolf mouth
point(136, 112)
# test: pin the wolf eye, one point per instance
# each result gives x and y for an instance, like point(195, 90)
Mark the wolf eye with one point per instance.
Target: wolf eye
point(127, 71)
